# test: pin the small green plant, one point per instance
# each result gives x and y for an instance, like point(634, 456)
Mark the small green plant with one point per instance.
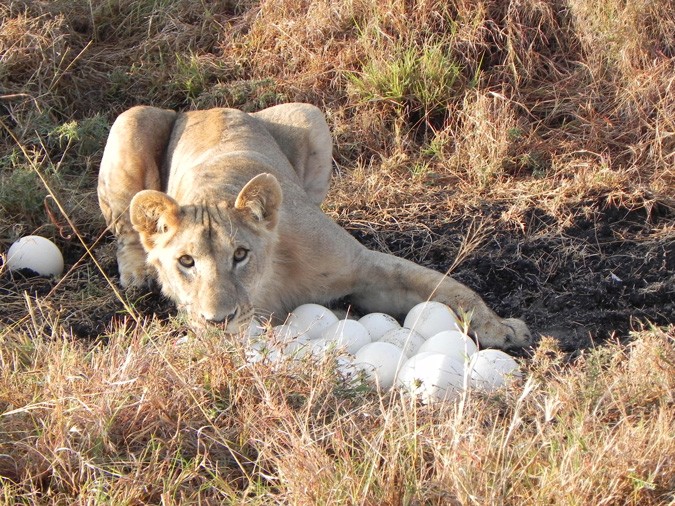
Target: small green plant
point(86, 135)
point(247, 95)
point(421, 79)
point(419, 170)
point(190, 76)
point(21, 194)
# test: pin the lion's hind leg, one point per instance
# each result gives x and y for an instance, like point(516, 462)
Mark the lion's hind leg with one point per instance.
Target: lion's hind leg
point(303, 135)
point(132, 162)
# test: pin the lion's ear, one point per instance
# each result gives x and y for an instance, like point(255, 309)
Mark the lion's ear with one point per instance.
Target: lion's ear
point(152, 213)
point(261, 199)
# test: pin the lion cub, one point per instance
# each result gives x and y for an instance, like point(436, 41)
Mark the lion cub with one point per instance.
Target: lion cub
point(221, 207)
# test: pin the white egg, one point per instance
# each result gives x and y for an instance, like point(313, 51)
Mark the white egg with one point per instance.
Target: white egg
point(432, 377)
point(345, 366)
point(430, 318)
point(254, 329)
point(311, 319)
point(408, 340)
point(36, 253)
point(421, 354)
point(182, 340)
point(452, 343)
point(285, 333)
point(323, 346)
point(378, 324)
point(492, 369)
point(298, 347)
point(258, 351)
point(380, 361)
point(290, 341)
point(349, 334)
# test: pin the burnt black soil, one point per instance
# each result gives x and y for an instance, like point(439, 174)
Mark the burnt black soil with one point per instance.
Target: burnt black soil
point(608, 272)
point(83, 299)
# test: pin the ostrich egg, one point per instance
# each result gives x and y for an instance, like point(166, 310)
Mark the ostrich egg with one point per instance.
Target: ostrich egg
point(452, 343)
point(378, 324)
point(311, 319)
point(430, 318)
point(492, 369)
point(380, 361)
point(432, 377)
point(408, 340)
point(349, 334)
point(36, 253)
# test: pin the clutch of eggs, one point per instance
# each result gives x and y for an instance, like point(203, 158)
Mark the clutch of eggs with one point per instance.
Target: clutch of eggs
point(429, 356)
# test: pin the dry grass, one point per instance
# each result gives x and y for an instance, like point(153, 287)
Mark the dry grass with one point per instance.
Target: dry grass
point(143, 419)
point(456, 123)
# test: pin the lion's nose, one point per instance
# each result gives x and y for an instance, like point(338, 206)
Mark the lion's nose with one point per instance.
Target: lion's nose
point(232, 316)
point(220, 318)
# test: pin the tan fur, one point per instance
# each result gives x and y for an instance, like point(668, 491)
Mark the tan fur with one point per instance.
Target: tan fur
point(189, 194)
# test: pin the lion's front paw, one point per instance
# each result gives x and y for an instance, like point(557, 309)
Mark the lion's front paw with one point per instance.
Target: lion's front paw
point(509, 333)
point(139, 278)
point(134, 272)
point(519, 335)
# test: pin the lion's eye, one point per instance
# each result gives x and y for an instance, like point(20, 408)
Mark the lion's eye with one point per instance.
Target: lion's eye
point(186, 261)
point(240, 255)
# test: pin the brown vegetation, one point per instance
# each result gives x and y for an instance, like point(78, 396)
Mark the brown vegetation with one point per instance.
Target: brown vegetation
point(528, 146)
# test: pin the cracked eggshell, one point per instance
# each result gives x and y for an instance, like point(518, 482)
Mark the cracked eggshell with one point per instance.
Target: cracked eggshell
point(258, 351)
point(254, 329)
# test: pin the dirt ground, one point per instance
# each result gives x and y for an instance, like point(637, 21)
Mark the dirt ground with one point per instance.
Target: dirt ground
point(599, 278)
point(609, 272)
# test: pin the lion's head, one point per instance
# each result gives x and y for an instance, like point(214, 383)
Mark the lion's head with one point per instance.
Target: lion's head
point(210, 258)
